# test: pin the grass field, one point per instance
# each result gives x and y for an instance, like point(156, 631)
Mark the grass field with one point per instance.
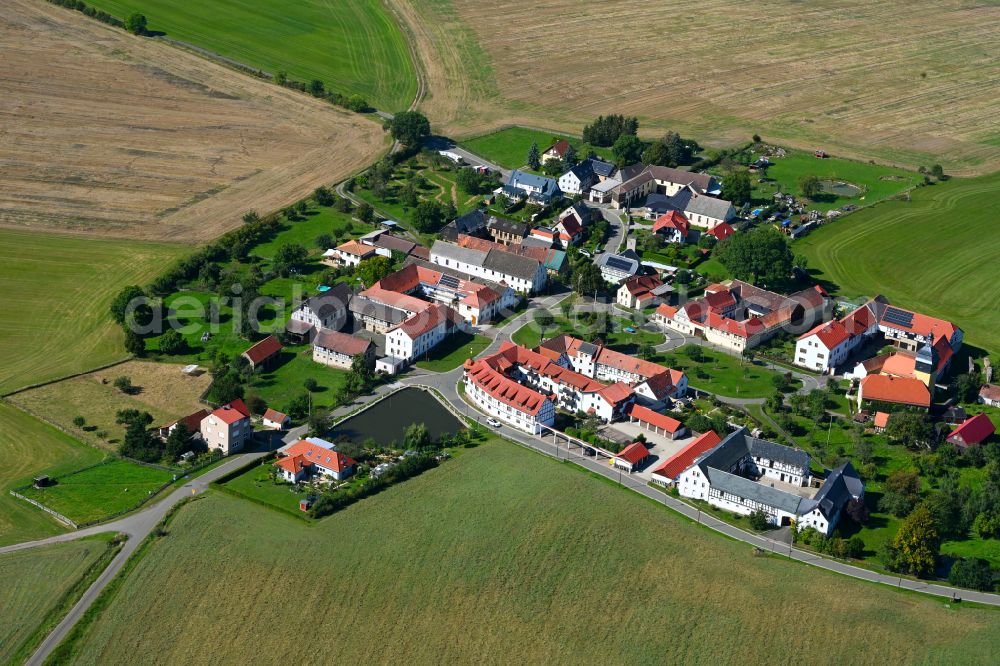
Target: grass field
point(134, 138)
point(453, 351)
point(166, 393)
point(256, 484)
point(58, 323)
point(509, 147)
point(831, 77)
point(531, 334)
point(353, 46)
point(101, 491)
point(875, 182)
point(721, 373)
point(36, 584)
point(279, 386)
point(502, 552)
point(29, 447)
point(937, 253)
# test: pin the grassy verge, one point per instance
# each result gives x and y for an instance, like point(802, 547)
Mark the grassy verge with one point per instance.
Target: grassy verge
point(67, 599)
point(453, 351)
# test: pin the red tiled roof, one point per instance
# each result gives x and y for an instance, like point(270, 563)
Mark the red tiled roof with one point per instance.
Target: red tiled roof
point(900, 365)
point(655, 419)
point(633, 453)
point(720, 300)
point(924, 325)
point(642, 284)
point(680, 461)
point(233, 412)
point(831, 334)
point(559, 147)
point(355, 248)
point(422, 322)
point(274, 415)
point(504, 389)
point(319, 455)
point(990, 392)
point(722, 231)
point(292, 464)
point(570, 225)
point(667, 311)
point(263, 350)
point(881, 420)
point(901, 390)
point(672, 220)
point(972, 431)
point(341, 343)
point(615, 393)
point(192, 422)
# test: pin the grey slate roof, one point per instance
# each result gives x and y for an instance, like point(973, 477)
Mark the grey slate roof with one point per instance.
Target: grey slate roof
point(380, 311)
point(588, 348)
point(536, 242)
point(336, 297)
point(454, 252)
point(454, 272)
point(508, 226)
point(841, 486)
point(506, 263)
point(751, 490)
point(688, 201)
point(601, 168)
point(471, 223)
point(761, 448)
point(582, 170)
point(394, 243)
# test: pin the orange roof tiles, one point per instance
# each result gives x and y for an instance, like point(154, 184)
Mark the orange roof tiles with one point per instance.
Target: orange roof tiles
point(832, 334)
point(655, 419)
point(881, 420)
point(901, 390)
point(319, 455)
point(504, 389)
point(355, 248)
point(634, 453)
point(680, 461)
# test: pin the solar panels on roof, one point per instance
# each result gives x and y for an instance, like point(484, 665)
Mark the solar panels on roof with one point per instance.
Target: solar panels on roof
point(618, 264)
point(898, 317)
point(449, 281)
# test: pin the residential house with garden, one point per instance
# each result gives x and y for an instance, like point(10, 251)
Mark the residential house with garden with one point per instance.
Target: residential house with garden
point(535, 189)
point(227, 429)
point(642, 291)
point(673, 227)
point(617, 267)
point(974, 430)
point(507, 232)
point(578, 179)
point(556, 151)
point(350, 253)
point(989, 395)
point(275, 420)
point(305, 460)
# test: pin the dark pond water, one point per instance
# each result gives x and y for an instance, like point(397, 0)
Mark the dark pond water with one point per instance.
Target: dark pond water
point(387, 421)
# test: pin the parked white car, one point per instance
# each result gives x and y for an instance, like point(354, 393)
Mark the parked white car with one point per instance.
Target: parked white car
point(493, 422)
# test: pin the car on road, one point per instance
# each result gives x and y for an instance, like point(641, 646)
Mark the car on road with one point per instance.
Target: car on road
point(586, 253)
point(493, 422)
point(587, 451)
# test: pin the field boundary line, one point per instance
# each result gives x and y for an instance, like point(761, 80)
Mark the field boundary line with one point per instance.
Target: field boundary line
point(52, 512)
point(63, 378)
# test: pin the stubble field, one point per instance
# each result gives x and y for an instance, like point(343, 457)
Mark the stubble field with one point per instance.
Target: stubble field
point(502, 555)
point(109, 134)
point(912, 85)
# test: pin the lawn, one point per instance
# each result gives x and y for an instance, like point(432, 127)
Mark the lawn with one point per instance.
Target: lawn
point(353, 46)
point(256, 484)
point(453, 351)
point(509, 147)
point(279, 386)
point(317, 220)
point(936, 254)
point(501, 552)
point(974, 546)
point(99, 492)
point(36, 585)
point(722, 373)
point(69, 283)
point(874, 181)
point(531, 334)
point(28, 448)
point(164, 391)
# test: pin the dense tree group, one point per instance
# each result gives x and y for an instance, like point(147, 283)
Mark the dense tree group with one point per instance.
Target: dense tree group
point(762, 256)
point(606, 130)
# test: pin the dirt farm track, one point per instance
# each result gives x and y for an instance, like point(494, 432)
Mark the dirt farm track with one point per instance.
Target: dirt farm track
point(107, 134)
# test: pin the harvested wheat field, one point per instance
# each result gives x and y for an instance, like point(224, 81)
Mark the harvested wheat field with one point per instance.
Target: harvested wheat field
point(912, 85)
point(109, 134)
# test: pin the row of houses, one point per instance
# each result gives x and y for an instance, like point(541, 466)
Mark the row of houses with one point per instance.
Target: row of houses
point(378, 243)
point(739, 316)
point(524, 387)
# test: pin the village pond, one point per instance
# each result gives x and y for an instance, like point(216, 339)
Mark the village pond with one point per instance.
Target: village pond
point(387, 420)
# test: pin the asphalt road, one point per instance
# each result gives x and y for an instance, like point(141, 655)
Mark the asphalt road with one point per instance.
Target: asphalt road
point(137, 527)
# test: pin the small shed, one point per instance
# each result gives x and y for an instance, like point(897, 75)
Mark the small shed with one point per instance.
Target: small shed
point(305, 504)
point(42, 481)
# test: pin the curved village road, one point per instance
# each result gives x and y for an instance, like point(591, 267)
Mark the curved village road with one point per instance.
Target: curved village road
point(137, 526)
point(446, 385)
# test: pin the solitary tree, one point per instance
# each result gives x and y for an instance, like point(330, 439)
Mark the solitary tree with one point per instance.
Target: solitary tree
point(809, 186)
point(915, 547)
point(136, 23)
point(365, 213)
point(323, 196)
point(172, 342)
point(316, 88)
point(534, 159)
point(410, 128)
